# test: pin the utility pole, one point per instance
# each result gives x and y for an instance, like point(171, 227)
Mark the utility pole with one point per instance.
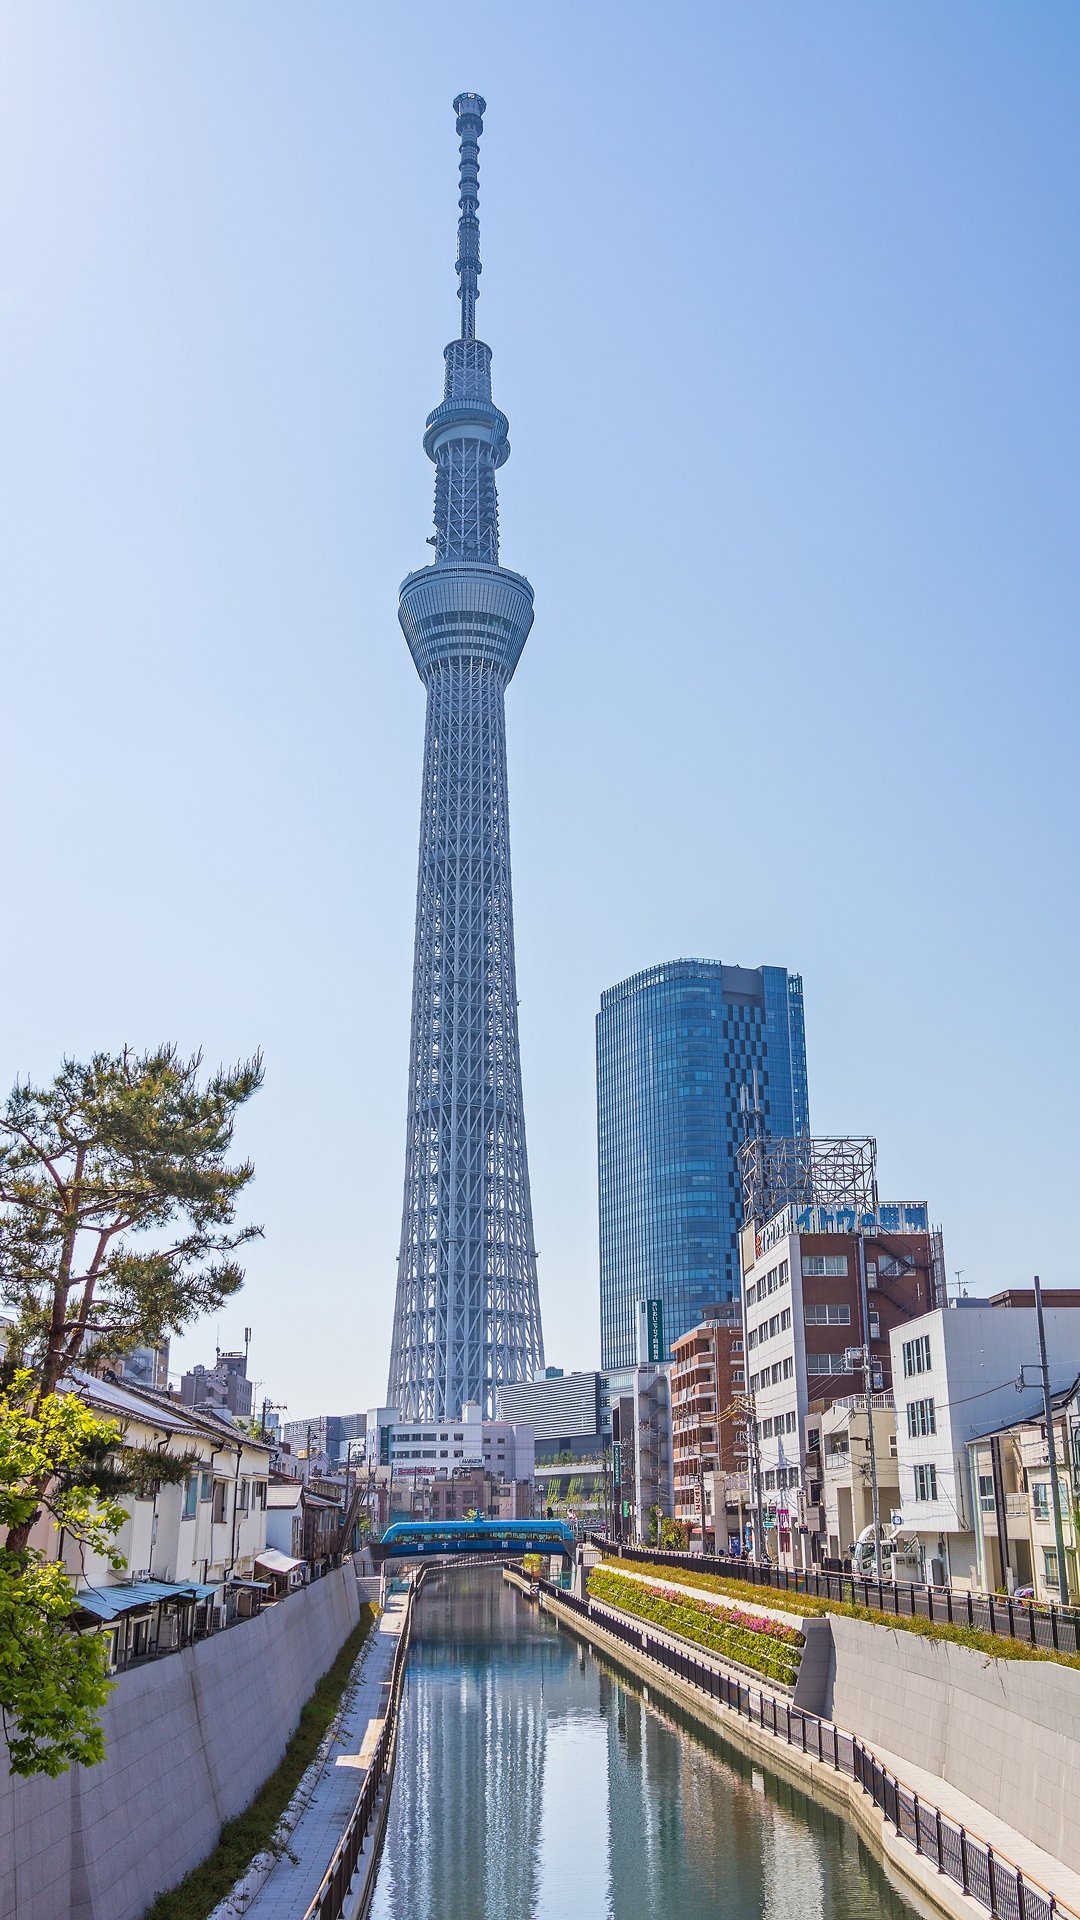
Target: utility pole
point(868, 1377)
point(1051, 1451)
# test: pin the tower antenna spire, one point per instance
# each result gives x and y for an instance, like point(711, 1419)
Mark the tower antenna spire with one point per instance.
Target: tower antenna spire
point(470, 109)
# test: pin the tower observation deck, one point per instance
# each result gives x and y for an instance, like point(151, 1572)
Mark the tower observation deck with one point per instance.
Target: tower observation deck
point(467, 1311)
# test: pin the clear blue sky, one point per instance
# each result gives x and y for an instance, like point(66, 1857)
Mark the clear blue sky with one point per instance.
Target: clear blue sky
point(784, 305)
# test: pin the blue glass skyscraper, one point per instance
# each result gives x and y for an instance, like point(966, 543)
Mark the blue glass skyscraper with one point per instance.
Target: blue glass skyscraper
point(683, 1051)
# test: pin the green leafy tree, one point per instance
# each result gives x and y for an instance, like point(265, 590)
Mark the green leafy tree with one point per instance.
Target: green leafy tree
point(117, 1204)
point(53, 1682)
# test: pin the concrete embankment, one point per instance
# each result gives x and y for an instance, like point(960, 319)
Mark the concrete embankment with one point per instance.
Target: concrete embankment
point(1005, 1733)
point(836, 1788)
point(190, 1740)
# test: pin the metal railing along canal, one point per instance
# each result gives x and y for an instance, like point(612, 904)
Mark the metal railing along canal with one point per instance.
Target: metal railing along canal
point(987, 1876)
point(1038, 1622)
point(329, 1902)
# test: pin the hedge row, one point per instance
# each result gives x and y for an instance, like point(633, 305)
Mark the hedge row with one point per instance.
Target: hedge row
point(766, 1646)
point(996, 1647)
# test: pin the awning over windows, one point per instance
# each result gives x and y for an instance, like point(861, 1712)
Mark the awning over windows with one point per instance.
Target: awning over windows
point(108, 1603)
point(276, 1562)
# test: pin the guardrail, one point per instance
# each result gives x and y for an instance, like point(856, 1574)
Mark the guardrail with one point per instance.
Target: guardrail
point(1038, 1622)
point(329, 1902)
point(991, 1879)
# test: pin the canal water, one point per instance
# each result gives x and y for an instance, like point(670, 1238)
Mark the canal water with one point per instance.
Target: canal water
point(536, 1782)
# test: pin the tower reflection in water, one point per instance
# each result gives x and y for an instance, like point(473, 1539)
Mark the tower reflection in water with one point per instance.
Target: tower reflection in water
point(534, 1782)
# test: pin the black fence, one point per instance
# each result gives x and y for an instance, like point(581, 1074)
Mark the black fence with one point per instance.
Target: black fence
point(1041, 1625)
point(998, 1885)
point(329, 1902)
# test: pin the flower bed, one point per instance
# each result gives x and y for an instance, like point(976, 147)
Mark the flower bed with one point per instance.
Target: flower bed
point(996, 1647)
point(766, 1646)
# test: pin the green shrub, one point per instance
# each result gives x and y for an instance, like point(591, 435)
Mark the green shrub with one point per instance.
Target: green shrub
point(809, 1605)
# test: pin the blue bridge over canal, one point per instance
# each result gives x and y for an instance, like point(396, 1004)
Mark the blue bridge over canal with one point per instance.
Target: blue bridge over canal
point(415, 1539)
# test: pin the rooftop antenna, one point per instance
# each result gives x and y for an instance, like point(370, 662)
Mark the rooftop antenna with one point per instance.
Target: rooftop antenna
point(470, 109)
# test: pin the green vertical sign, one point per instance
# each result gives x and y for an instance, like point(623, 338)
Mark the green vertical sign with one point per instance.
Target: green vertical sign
point(654, 1310)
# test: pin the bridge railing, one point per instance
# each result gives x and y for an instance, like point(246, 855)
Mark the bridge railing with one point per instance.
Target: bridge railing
point(329, 1902)
point(978, 1869)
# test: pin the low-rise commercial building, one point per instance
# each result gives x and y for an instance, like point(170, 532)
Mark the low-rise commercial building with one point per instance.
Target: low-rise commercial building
point(837, 1500)
point(416, 1450)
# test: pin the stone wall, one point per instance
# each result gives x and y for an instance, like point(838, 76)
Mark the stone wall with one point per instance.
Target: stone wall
point(1006, 1732)
point(190, 1740)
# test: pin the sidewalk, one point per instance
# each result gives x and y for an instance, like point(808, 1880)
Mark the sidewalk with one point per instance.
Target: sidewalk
point(329, 1791)
point(1050, 1872)
point(750, 1605)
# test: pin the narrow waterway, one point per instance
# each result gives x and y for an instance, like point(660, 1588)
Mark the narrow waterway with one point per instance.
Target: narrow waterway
point(533, 1782)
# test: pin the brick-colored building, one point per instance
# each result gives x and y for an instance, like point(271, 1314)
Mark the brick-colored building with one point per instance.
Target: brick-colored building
point(708, 1370)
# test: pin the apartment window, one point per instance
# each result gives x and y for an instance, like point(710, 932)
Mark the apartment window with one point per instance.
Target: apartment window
point(789, 1423)
point(221, 1501)
point(819, 1266)
point(917, 1355)
point(242, 1496)
point(191, 1495)
point(875, 1326)
point(738, 1376)
point(871, 1273)
point(827, 1314)
point(925, 1482)
point(736, 1346)
point(921, 1418)
point(751, 1296)
point(1050, 1566)
point(789, 1369)
point(1040, 1500)
point(260, 1493)
point(986, 1493)
point(770, 1480)
point(206, 1486)
point(826, 1363)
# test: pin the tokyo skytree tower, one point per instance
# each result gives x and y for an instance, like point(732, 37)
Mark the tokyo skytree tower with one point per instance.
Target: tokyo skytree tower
point(467, 1312)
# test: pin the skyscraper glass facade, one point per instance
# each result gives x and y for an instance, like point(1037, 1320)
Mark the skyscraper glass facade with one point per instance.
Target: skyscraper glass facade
point(675, 1048)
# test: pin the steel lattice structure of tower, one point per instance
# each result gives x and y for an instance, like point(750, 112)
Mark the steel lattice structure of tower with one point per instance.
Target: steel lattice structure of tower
point(467, 1313)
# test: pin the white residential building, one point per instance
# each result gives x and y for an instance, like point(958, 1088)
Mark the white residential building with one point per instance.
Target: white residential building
point(189, 1548)
point(819, 1285)
point(955, 1375)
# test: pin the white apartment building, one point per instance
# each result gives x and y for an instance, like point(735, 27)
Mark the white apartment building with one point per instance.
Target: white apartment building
point(427, 1450)
point(955, 1376)
point(804, 1332)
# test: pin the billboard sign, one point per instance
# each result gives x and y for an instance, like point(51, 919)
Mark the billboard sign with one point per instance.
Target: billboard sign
point(651, 1347)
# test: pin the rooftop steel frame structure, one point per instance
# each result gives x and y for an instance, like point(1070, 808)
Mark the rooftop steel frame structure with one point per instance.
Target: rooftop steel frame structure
point(810, 1171)
point(467, 1312)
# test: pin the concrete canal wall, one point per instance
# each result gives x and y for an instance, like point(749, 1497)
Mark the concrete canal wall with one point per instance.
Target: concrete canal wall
point(1005, 1732)
point(190, 1740)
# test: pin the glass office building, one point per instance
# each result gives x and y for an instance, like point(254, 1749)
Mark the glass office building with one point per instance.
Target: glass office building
point(676, 1046)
